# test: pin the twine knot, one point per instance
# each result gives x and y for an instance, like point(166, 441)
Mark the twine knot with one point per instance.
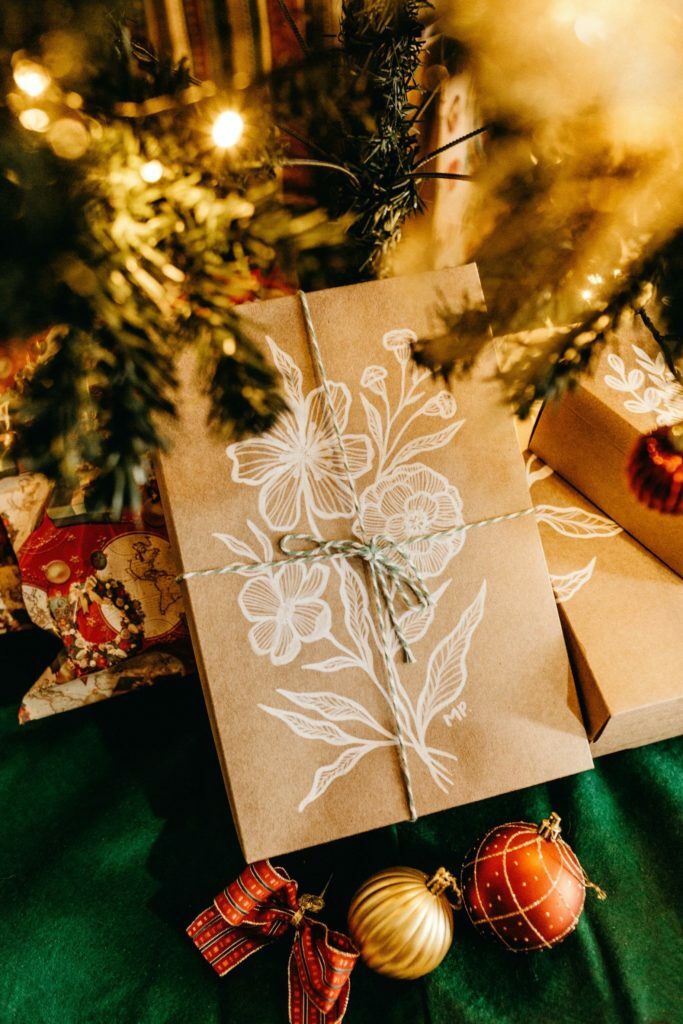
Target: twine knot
point(388, 561)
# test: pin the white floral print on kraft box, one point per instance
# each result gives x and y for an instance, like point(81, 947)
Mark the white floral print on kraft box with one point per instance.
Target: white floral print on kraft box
point(298, 469)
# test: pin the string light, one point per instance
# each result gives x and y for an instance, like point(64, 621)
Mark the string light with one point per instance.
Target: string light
point(227, 129)
point(31, 78)
point(586, 294)
point(34, 119)
point(152, 171)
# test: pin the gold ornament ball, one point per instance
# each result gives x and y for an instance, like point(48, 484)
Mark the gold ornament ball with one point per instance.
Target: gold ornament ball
point(402, 922)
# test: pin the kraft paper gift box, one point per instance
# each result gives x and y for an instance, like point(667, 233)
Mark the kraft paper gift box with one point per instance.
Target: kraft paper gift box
point(291, 656)
point(621, 610)
point(588, 434)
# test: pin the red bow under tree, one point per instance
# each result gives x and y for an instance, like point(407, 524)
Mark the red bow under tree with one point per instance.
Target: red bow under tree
point(262, 905)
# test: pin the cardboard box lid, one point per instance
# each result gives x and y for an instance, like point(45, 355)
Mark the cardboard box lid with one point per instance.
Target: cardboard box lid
point(304, 727)
point(622, 611)
point(588, 434)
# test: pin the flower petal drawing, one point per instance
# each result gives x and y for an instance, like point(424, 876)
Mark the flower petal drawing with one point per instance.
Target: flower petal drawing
point(400, 342)
point(298, 461)
point(411, 501)
point(286, 609)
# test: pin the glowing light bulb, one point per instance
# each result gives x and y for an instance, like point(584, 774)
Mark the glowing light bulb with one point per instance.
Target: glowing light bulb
point(586, 294)
point(227, 129)
point(31, 78)
point(151, 171)
point(34, 119)
point(590, 28)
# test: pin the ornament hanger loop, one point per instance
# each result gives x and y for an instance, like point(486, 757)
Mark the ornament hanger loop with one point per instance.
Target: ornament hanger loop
point(440, 882)
point(550, 828)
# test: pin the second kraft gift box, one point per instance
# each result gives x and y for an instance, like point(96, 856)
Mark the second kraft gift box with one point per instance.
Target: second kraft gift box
point(322, 727)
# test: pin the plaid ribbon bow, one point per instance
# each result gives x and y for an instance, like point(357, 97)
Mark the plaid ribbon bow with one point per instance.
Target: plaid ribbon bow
point(262, 905)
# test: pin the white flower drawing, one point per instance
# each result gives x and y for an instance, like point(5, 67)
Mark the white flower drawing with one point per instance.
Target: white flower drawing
point(299, 471)
point(374, 378)
point(400, 342)
point(442, 405)
point(298, 461)
point(413, 500)
point(286, 609)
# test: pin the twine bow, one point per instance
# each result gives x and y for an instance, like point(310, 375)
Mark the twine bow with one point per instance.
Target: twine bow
point(389, 565)
point(263, 905)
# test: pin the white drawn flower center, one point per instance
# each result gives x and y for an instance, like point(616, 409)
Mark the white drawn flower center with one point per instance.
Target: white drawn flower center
point(416, 520)
point(285, 612)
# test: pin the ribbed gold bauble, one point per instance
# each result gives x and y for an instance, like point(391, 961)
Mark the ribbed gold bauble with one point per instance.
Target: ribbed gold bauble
point(402, 922)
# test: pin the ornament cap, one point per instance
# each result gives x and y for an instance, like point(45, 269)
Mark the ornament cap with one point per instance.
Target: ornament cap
point(441, 881)
point(551, 828)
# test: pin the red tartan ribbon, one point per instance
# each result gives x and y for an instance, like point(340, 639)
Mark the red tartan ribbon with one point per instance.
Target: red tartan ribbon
point(260, 906)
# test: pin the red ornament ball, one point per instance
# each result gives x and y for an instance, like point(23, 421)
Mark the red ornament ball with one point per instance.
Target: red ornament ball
point(655, 469)
point(525, 889)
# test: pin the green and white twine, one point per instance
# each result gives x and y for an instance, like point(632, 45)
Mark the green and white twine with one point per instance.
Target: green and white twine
point(388, 561)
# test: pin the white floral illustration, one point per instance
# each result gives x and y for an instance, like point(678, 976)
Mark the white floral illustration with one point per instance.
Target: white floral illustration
point(415, 500)
point(569, 521)
point(567, 585)
point(286, 610)
point(298, 462)
point(299, 470)
point(652, 387)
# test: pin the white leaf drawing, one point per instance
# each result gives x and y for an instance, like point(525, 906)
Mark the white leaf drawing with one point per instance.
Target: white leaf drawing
point(374, 422)
point(238, 547)
point(335, 707)
point(567, 586)
point(264, 540)
point(447, 669)
point(415, 622)
point(617, 364)
point(326, 775)
point(335, 664)
point(311, 728)
point(291, 374)
point(663, 397)
point(572, 521)
point(616, 383)
point(534, 475)
point(427, 443)
point(356, 610)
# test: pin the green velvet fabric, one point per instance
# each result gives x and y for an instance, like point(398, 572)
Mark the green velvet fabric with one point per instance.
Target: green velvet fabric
point(116, 832)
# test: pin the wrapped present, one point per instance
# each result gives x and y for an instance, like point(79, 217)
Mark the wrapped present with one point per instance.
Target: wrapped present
point(13, 614)
point(106, 589)
point(588, 435)
point(365, 585)
point(621, 610)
